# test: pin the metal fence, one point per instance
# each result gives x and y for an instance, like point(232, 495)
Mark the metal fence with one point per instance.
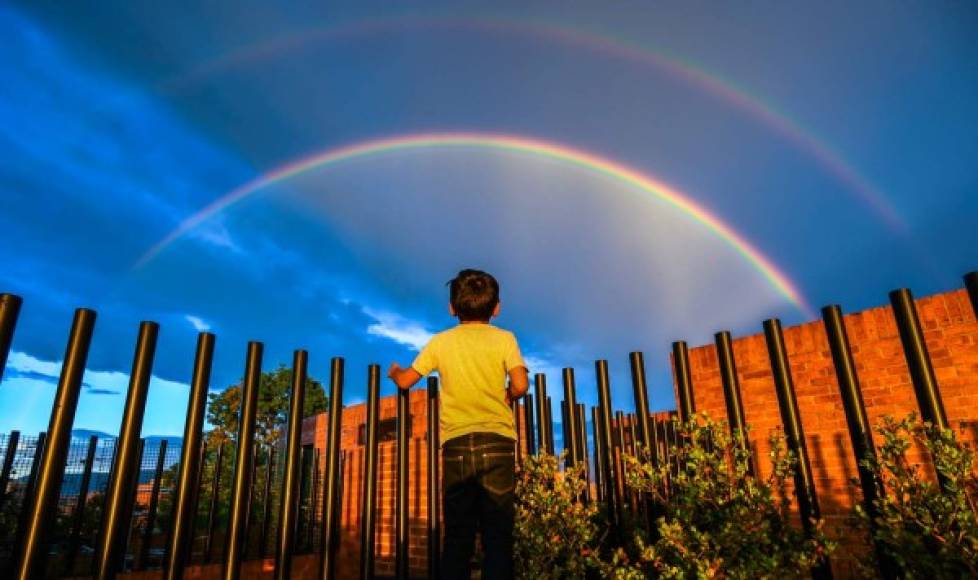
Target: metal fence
point(96, 508)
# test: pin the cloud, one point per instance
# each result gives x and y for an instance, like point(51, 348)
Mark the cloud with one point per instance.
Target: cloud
point(27, 364)
point(28, 390)
point(394, 327)
point(73, 127)
point(217, 234)
point(539, 364)
point(198, 323)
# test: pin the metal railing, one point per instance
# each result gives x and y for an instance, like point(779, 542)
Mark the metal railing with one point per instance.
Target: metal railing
point(75, 505)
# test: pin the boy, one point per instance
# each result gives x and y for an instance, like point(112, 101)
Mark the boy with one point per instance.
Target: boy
point(474, 360)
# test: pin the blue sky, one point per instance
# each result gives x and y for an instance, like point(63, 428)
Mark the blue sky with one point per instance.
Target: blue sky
point(118, 123)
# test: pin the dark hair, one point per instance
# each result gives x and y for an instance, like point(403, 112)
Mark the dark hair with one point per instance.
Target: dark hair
point(474, 295)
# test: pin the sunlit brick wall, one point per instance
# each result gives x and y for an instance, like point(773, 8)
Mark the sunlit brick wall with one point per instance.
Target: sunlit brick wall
point(951, 334)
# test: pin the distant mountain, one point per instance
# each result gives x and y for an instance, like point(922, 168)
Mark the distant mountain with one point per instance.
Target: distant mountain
point(152, 440)
point(71, 484)
point(86, 433)
point(171, 440)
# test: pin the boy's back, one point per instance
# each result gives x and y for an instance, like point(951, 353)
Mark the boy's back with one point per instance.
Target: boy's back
point(473, 360)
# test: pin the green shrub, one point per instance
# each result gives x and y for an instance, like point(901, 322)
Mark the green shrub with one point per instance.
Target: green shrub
point(716, 519)
point(927, 532)
point(556, 535)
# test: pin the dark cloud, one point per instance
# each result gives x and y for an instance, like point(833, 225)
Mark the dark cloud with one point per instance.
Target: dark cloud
point(95, 391)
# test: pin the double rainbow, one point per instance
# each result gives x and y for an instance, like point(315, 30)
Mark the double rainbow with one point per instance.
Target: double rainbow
point(591, 162)
point(684, 70)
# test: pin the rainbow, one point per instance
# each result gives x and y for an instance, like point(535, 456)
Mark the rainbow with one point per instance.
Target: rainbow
point(546, 149)
point(686, 71)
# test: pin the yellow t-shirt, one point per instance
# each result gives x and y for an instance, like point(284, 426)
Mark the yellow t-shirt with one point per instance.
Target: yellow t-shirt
point(473, 361)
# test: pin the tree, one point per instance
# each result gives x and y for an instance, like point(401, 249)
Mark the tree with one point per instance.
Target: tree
point(273, 406)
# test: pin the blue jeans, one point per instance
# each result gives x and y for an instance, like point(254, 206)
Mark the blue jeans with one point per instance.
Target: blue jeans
point(479, 483)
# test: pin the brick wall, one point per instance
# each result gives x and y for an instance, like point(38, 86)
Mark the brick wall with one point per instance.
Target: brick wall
point(951, 334)
point(314, 430)
point(352, 456)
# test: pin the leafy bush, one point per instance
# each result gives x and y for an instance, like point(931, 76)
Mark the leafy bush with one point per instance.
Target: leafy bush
point(927, 532)
point(717, 519)
point(556, 534)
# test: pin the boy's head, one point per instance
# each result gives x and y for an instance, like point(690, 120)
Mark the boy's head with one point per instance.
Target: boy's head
point(474, 296)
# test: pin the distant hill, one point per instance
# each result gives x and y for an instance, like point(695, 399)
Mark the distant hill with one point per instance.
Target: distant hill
point(71, 484)
point(86, 433)
point(151, 440)
point(171, 440)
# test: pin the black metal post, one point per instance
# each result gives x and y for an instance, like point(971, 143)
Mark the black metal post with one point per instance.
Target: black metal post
point(619, 438)
point(611, 485)
point(313, 494)
point(31, 485)
point(794, 433)
point(368, 508)
point(563, 430)
point(212, 508)
point(434, 503)
point(78, 517)
point(305, 499)
point(731, 392)
point(128, 506)
point(582, 449)
point(8, 464)
point(640, 389)
point(241, 483)
point(860, 432)
point(684, 381)
point(9, 311)
point(197, 494)
point(550, 426)
point(662, 431)
point(540, 389)
point(515, 406)
point(288, 508)
point(598, 460)
point(401, 506)
point(191, 463)
point(40, 505)
point(529, 430)
point(154, 500)
point(632, 420)
point(266, 503)
point(249, 505)
point(921, 372)
point(971, 283)
point(329, 540)
point(572, 436)
point(633, 451)
point(117, 511)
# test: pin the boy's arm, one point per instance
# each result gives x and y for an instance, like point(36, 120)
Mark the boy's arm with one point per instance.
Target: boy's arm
point(403, 378)
point(519, 382)
point(519, 377)
point(424, 363)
